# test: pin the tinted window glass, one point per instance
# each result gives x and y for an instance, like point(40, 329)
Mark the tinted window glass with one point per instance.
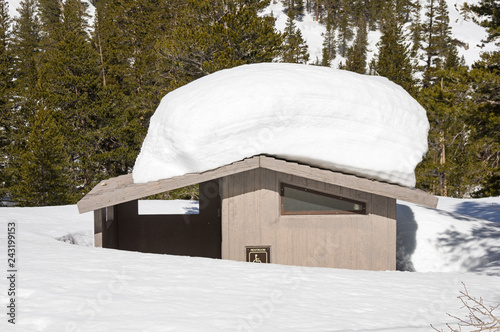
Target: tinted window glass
point(297, 200)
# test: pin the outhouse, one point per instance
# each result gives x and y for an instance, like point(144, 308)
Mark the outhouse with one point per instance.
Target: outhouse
point(260, 209)
point(296, 164)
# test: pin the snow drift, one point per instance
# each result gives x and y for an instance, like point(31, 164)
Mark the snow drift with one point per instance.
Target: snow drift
point(444, 240)
point(67, 287)
point(333, 119)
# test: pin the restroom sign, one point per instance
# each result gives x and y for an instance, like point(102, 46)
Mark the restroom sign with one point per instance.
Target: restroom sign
point(260, 254)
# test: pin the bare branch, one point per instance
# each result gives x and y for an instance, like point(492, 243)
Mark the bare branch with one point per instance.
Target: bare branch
point(480, 317)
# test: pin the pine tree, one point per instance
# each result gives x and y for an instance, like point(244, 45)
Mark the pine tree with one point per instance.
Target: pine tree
point(450, 167)
point(27, 48)
point(127, 38)
point(208, 36)
point(490, 10)
point(147, 48)
point(356, 56)
point(317, 8)
point(344, 26)
point(329, 46)
point(25, 51)
point(6, 95)
point(374, 10)
point(294, 47)
point(404, 9)
point(294, 7)
point(112, 44)
point(5, 58)
point(69, 84)
point(50, 14)
point(437, 39)
point(393, 59)
point(43, 173)
point(416, 30)
point(429, 32)
point(485, 119)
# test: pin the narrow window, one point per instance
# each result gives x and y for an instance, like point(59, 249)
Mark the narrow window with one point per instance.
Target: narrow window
point(297, 200)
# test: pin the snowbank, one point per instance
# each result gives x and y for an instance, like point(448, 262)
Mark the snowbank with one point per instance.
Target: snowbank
point(452, 238)
point(334, 119)
point(487, 208)
point(66, 287)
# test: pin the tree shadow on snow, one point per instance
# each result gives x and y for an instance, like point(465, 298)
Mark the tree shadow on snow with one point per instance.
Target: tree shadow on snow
point(406, 240)
point(483, 240)
point(476, 210)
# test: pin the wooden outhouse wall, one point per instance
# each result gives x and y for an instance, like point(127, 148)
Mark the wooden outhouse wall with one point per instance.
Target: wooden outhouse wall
point(251, 215)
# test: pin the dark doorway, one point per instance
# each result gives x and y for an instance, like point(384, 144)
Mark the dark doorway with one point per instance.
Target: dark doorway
point(187, 234)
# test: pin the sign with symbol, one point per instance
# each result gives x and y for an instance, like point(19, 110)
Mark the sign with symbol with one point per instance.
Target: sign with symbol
point(258, 254)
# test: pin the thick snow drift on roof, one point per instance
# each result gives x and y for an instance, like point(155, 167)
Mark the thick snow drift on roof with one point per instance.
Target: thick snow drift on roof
point(334, 119)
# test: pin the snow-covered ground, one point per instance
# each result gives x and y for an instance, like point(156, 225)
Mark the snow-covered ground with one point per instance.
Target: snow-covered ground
point(65, 287)
point(311, 30)
point(485, 208)
point(467, 31)
point(463, 28)
point(15, 4)
point(63, 283)
point(452, 238)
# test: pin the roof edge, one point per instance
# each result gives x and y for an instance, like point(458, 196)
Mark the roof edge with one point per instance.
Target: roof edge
point(122, 189)
point(392, 190)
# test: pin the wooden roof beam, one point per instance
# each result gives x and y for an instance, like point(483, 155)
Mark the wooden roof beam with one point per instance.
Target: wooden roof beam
point(122, 189)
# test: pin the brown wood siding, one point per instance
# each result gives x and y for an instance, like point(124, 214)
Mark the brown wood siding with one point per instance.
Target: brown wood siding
point(251, 216)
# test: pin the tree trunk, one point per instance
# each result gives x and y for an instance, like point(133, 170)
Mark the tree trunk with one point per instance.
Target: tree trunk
point(102, 59)
point(317, 10)
point(442, 161)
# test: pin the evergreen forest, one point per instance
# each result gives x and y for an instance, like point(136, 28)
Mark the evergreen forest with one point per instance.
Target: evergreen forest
point(77, 92)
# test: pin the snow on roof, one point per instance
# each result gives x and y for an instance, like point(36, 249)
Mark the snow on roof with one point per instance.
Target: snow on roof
point(334, 119)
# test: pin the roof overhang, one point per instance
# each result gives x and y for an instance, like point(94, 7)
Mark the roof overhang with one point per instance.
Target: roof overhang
point(122, 189)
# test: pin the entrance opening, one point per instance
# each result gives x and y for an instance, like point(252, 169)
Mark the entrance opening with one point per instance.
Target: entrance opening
point(184, 234)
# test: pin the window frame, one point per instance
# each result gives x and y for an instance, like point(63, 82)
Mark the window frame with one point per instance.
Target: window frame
point(342, 212)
